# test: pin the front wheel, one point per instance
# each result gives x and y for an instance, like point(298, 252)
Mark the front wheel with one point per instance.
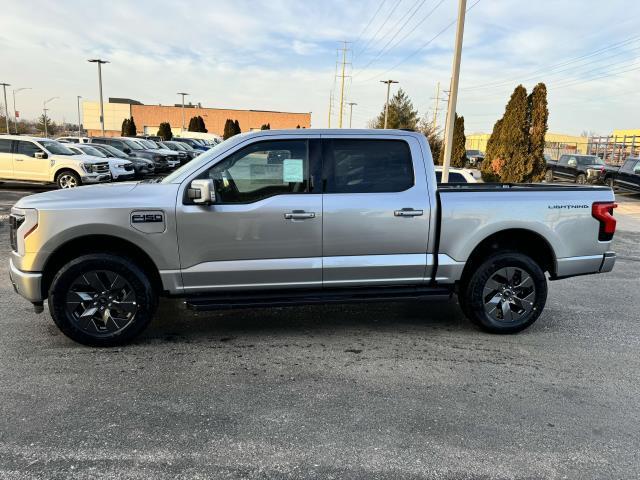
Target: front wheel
point(101, 300)
point(581, 179)
point(68, 179)
point(548, 176)
point(506, 293)
point(609, 182)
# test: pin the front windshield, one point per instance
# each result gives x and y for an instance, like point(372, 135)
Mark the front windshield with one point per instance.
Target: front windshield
point(92, 151)
point(194, 164)
point(56, 148)
point(149, 144)
point(132, 144)
point(591, 160)
point(114, 152)
point(168, 145)
point(185, 146)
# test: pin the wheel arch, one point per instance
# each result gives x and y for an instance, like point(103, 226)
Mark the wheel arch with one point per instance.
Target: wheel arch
point(98, 244)
point(518, 240)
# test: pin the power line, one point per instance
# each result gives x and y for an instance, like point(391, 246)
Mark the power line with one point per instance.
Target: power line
point(364, 48)
point(560, 64)
point(610, 74)
point(370, 21)
point(422, 47)
point(397, 30)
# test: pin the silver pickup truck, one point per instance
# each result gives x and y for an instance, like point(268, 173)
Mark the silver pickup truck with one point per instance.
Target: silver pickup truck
point(303, 216)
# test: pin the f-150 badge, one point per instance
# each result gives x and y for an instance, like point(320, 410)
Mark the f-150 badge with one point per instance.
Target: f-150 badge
point(148, 221)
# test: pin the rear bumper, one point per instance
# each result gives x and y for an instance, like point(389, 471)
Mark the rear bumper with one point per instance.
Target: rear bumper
point(574, 266)
point(27, 284)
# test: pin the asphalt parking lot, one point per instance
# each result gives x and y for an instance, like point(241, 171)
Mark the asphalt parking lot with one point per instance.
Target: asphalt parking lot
point(402, 390)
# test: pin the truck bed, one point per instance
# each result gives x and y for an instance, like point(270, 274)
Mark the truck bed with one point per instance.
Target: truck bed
point(510, 187)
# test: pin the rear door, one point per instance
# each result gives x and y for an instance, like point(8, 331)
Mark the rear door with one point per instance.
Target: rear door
point(6, 158)
point(26, 166)
point(375, 211)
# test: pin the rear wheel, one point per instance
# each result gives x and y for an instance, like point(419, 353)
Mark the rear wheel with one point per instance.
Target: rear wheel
point(506, 293)
point(68, 179)
point(548, 176)
point(101, 300)
point(609, 182)
point(581, 179)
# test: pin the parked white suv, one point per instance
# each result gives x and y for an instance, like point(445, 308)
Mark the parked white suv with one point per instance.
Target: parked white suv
point(120, 169)
point(41, 160)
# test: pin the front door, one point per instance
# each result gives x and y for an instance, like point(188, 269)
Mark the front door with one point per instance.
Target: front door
point(375, 212)
point(265, 228)
point(26, 166)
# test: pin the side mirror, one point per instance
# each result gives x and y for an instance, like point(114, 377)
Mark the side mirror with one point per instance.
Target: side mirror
point(202, 192)
point(40, 155)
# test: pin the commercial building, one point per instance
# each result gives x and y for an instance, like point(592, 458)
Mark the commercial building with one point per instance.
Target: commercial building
point(149, 117)
point(555, 141)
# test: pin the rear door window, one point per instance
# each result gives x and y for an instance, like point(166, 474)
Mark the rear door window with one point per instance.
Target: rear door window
point(367, 166)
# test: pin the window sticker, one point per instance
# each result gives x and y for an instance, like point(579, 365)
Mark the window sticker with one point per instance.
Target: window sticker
point(293, 170)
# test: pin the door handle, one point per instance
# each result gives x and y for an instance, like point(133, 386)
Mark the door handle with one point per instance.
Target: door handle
point(408, 212)
point(299, 215)
point(19, 159)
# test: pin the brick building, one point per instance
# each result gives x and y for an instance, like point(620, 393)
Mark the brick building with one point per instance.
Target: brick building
point(149, 117)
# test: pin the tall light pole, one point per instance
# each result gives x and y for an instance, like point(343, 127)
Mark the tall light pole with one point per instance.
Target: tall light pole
point(100, 63)
point(453, 95)
point(351, 104)
point(386, 105)
point(183, 95)
point(79, 123)
point(44, 109)
point(15, 114)
point(6, 107)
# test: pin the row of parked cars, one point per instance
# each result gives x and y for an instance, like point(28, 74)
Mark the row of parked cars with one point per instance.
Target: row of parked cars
point(72, 161)
point(591, 169)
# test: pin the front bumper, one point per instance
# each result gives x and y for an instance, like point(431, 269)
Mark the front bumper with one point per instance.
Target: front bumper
point(106, 177)
point(124, 176)
point(27, 284)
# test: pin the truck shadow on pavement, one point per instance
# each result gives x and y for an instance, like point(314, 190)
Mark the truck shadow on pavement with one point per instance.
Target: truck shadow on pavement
point(175, 323)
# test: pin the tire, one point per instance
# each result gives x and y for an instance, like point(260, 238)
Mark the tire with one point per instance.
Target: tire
point(609, 182)
point(548, 176)
point(101, 300)
point(581, 179)
point(483, 299)
point(68, 179)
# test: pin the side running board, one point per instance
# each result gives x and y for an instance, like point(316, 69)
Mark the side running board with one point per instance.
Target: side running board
point(284, 298)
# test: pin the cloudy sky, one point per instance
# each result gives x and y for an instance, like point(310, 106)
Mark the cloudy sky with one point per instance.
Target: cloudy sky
point(281, 55)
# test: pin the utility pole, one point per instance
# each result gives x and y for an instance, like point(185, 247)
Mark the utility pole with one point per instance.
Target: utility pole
point(100, 63)
point(351, 104)
point(435, 110)
point(386, 105)
point(6, 107)
point(79, 123)
point(45, 109)
point(453, 95)
point(344, 64)
point(183, 95)
point(15, 111)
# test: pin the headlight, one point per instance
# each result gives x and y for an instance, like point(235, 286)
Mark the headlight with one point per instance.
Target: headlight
point(87, 167)
point(121, 165)
point(157, 157)
point(22, 221)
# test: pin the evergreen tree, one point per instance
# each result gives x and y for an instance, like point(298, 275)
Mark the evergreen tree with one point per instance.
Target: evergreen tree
point(52, 128)
point(509, 155)
point(229, 129)
point(236, 127)
point(492, 165)
point(164, 132)
point(401, 113)
point(298, 126)
point(458, 150)
point(124, 131)
point(539, 116)
point(132, 128)
point(201, 126)
point(265, 126)
point(192, 125)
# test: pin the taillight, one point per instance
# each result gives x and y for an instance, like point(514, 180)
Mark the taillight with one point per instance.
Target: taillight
point(603, 212)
